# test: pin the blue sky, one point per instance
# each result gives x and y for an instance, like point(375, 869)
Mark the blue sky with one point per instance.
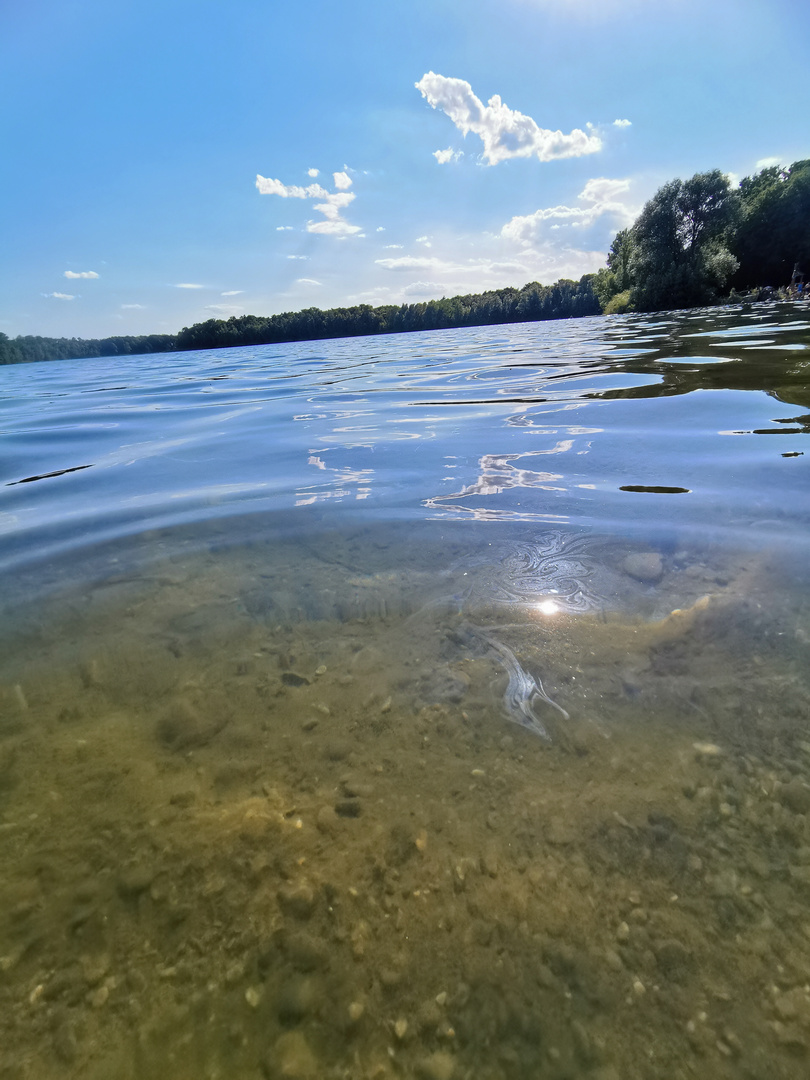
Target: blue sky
point(166, 161)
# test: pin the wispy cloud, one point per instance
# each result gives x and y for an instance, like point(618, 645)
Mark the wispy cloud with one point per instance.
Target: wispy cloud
point(504, 132)
point(445, 156)
point(224, 309)
point(81, 274)
point(58, 296)
point(460, 264)
point(306, 281)
point(331, 206)
point(410, 262)
point(599, 196)
point(232, 292)
point(331, 209)
point(132, 307)
point(336, 226)
point(423, 288)
point(188, 285)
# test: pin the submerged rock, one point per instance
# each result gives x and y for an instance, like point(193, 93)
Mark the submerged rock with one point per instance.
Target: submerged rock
point(182, 727)
point(292, 1057)
point(795, 795)
point(645, 566)
point(438, 1066)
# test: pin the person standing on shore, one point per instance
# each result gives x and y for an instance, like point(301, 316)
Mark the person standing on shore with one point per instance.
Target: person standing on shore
point(796, 289)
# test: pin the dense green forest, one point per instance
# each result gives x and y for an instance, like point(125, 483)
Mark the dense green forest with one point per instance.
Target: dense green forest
point(698, 240)
point(564, 300)
point(29, 348)
point(695, 242)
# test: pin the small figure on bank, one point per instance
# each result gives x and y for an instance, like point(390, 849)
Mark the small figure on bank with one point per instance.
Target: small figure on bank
point(796, 289)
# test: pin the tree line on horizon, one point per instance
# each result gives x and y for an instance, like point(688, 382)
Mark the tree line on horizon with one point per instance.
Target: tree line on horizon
point(695, 242)
point(532, 303)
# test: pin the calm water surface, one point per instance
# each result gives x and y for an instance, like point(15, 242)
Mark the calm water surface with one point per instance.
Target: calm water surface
point(426, 706)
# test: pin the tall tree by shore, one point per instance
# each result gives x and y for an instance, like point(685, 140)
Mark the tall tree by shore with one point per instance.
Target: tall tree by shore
point(696, 239)
point(773, 232)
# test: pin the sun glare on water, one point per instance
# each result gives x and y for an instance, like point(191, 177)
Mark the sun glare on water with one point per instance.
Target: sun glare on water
point(548, 607)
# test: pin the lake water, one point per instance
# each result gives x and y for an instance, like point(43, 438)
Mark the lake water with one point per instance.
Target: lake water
point(430, 706)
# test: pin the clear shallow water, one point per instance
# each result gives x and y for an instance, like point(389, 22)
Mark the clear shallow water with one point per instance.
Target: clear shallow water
point(263, 808)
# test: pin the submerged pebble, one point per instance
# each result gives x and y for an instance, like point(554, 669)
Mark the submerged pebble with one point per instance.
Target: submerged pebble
point(647, 566)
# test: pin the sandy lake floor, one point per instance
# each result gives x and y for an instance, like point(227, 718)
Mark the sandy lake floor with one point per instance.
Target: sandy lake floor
point(268, 820)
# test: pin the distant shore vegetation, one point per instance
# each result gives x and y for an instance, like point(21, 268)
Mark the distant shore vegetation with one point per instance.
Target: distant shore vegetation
point(696, 242)
point(534, 302)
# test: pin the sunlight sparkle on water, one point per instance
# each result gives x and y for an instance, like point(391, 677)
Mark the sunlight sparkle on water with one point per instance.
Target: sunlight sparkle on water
point(548, 607)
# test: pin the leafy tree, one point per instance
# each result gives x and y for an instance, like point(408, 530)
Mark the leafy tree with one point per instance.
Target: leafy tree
point(616, 280)
point(678, 257)
point(619, 258)
point(9, 351)
point(774, 230)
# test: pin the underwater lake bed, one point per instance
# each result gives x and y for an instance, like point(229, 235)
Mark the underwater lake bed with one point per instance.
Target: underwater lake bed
point(432, 706)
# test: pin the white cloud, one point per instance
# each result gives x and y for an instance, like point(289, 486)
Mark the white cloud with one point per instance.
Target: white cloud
point(504, 132)
point(460, 264)
point(464, 271)
point(549, 262)
point(622, 123)
point(302, 258)
point(306, 281)
point(603, 190)
point(58, 296)
point(81, 274)
point(380, 294)
point(492, 267)
point(284, 228)
point(225, 309)
point(266, 186)
point(188, 285)
point(335, 227)
point(600, 196)
point(445, 156)
point(423, 288)
point(768, 162)
point(394, 247)
point(410, 262)
point(232, 292)
point(331, 205)
point(133, 307)
point(546, 262)
point(380, 228)
point(313, 173)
